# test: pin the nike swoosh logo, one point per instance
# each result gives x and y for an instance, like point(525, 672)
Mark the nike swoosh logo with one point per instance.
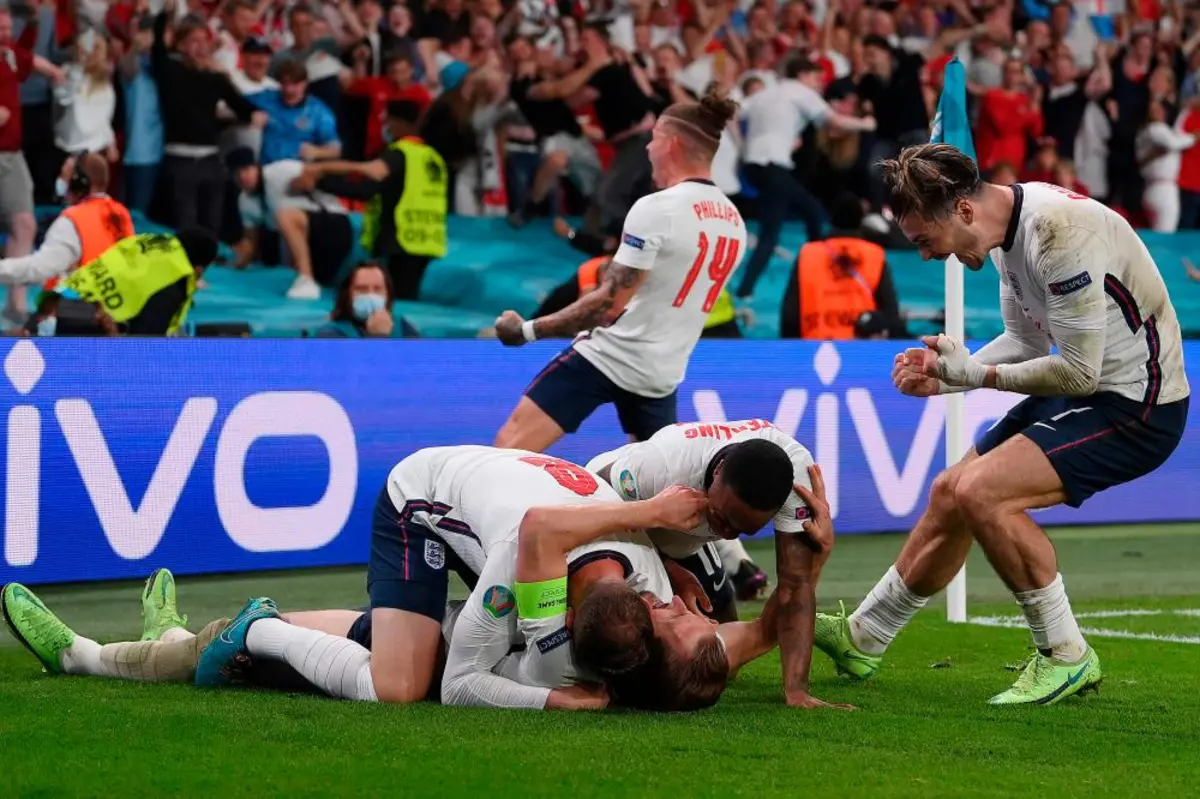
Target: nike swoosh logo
point(1043, 424)
point(224, 637)
point(724, 576)
point(1074, 678)
point(850, 654)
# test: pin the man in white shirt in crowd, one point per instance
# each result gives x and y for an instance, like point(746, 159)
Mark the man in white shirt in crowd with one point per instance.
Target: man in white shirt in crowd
point(1091, 337)
point(775, 118)
point(314, 225)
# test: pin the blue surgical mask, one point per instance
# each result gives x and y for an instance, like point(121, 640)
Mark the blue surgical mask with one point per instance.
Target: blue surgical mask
point(367, 304)
point(60, 188)
point(47, 326)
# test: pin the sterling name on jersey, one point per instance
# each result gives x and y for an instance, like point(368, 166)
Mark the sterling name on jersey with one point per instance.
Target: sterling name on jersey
point(690, 238)
point(1073, 273)
point(681, 455)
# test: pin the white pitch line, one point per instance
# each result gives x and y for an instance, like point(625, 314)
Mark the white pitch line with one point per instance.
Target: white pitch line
point(1010, 622)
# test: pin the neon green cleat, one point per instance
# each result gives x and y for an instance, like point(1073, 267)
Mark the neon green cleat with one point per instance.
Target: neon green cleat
point(832, 636)
point(159, 613)
point(1046, 680)
point(39, 630)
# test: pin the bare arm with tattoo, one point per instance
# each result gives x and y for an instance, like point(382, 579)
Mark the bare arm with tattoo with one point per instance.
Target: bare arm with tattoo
point(601, 306)
point(799, 559)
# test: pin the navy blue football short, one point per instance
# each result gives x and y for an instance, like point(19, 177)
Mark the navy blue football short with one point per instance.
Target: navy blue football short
point(570, 389)
point(1094, 442)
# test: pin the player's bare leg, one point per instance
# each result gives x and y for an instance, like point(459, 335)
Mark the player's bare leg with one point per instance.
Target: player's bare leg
point(934, 552)
point(333, 622)
point(528, 427)
point(404, 654)
point(994, 496)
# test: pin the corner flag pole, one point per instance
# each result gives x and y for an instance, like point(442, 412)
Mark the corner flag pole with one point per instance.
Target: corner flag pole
point(951, 126)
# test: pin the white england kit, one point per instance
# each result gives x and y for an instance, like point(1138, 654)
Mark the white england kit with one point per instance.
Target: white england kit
point(473, 498)
point(690, 238)
point(682, 454)
point(1074, 274)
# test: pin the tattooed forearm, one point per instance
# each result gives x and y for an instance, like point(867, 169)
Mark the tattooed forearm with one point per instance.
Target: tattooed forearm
point(797, 610)
point(594, 308)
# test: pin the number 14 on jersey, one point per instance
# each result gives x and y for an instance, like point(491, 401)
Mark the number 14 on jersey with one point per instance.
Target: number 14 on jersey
point(724, 258)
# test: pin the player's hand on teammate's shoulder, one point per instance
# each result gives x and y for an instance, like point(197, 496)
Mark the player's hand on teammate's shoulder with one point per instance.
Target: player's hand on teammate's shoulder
point(807, 701)
point(678, 508)
point(508, 329)
point(587, 696)
point(818, 529)
point(910, 372)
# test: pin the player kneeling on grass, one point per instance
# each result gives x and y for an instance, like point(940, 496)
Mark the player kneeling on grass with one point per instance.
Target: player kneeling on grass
point(1109, 406)
point(752, 473)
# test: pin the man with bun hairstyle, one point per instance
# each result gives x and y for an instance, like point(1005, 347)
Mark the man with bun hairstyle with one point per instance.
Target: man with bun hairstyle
point(636, 332)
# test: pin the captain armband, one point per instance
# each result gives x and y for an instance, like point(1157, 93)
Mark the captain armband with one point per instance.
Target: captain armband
point(541, 600)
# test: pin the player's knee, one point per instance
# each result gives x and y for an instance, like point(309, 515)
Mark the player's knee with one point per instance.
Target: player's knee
point(397, 689)
point(942, 492)
point(974, 497)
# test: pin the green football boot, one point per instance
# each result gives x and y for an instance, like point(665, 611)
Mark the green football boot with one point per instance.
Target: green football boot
point(159, 613)
point(832, 636)
point(32, 623)
point(1047, 680)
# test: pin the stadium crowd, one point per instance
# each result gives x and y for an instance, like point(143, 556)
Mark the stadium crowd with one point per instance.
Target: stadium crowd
point(227, 115)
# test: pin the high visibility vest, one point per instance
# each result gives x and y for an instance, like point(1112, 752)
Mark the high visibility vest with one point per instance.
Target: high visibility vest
point(420, 215)
point(100, 222)
point(837, 278)
point(131, 272)
point(587, 277)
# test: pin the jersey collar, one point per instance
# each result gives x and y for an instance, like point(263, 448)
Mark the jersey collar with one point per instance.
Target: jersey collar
point(1010, 233)
point(704, 181)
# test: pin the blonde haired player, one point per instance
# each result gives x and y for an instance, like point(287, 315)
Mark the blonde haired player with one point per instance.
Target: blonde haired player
point(1108, 406)
point(678, 248)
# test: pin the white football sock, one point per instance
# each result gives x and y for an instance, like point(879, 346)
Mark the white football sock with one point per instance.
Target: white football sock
point(883, 613)
point(172, 634)
point(1051, 621)
point(338, 666)
point(82, 657)
point(732, 554)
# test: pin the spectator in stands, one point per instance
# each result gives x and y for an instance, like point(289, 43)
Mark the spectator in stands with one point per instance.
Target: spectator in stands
point(363, 306)
point(1064, 175)
point(1189, 168)
point(405, 223)
point(363, 24)
point(300, 127)
point(188, 93)
point(1008, 117)
point(90, 224)
point(238, 20)
point(396, 84)
point(841, 287)
point(87, 101)
point(1159, 149)
point(38, 31)
point(320, 57)
point(17, 62)
point(892, 86)
point(775, 119)
point(313, 224)
point(143, 119)
point(622, 103)
point(565, 150)
point(1067, 96)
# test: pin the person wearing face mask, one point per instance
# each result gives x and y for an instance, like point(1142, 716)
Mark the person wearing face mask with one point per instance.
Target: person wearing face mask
point(363, 306)
point(90, 224)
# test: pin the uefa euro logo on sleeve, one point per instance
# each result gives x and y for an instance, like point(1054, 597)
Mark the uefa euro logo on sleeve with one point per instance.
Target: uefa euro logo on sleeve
point(498, 601)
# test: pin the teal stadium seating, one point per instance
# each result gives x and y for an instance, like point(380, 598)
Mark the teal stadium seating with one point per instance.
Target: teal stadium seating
point(491, 267)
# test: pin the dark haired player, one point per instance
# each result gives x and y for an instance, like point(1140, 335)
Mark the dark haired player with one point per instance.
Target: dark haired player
point(638, 330)
point(752, 474)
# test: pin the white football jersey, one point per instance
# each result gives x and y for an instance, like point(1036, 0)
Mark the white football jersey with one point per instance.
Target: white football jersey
point(682, 455)
point(690, 238)
point(1074, 274)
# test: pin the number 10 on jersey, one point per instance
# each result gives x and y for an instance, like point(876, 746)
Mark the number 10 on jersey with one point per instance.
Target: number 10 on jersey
point(724, 257)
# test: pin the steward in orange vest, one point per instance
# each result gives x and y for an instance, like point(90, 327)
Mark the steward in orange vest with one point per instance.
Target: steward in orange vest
point(839, 284)
point(90, 224)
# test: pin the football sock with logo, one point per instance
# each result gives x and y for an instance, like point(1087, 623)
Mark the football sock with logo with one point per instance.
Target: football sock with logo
point(732, 553)
point(1055, 631)
point(883, 613)
point(338, 666)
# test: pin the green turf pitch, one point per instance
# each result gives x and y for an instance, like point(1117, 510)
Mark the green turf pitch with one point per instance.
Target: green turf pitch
point(921, 731)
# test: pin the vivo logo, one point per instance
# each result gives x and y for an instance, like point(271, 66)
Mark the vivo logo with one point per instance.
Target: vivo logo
point(135, 530)
point(899, 484)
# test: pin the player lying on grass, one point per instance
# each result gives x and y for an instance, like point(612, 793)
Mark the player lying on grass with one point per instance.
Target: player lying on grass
point(752, 473)
point(1107, 406)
